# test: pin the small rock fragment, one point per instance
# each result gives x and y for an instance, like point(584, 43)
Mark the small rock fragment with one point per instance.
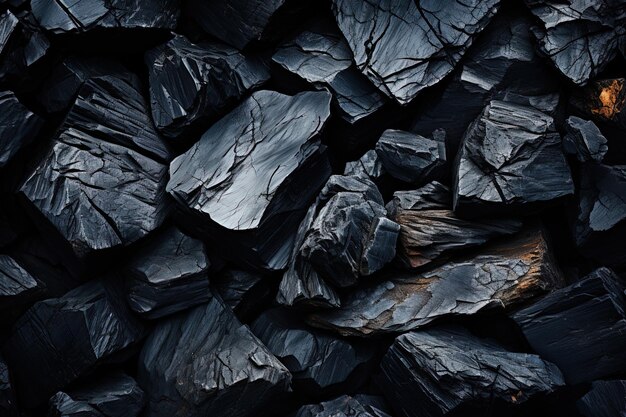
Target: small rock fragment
point(368, 166)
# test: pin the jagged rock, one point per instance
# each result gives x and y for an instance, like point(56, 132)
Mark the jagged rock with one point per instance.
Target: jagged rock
point(7, 395)
point(437, 372)
point(204, 362)
point(168, 275)
point(319, 362)
point(114, 395)
point(606, 399)
point(412, 158)
point(581, 328)
point(584, 140)
point(59, 16)
point(252, 175)
point(432, 196)
point(60, 339)
point(511, 156)
point(18, 126)
point(403, 46)
point(580, 37)
point(344, 406)
point(499, 276)
point(191, 82)
point(242, 291)
point(102, 183)
point(368, 166)
point(17, 286)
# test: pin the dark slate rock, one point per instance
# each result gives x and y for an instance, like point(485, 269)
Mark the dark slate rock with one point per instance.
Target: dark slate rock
point(368, 166)
point(102, 183)
point(204, 362)
point(499, 276)
point(344, 406)
point(18, 126)
point(8, 406)
point(437, 372)
point(412, 158)
point(432, 196)
point(113, 395)
point(511, 156)
point(581, 328)
point(584, 140)
point(404, 46)
point(17, 286)
point(60, 339)
point(242, 291)
point(191, 82)
point(59, 16)
point(580, 37)
point(606, 399)
point(168, 275)
point(319, 363)
point(252, 175)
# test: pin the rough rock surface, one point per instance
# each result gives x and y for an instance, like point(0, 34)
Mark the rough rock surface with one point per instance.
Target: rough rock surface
point(368, 166)
point(18, 126)
point(344, 406)
point(584, 140)
point(606, 399)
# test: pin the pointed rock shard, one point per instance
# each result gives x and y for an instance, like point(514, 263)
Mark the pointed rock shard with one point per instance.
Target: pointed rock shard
point(581, 328)
point(404, 46)
point(204, 362)
point(252, 175)
point(18, 126)
point(499, 276)
point(584, 140)
point(606, 399)
point(440, 371)
point(44, 359)
point(194, 82)
point(510, 157)
point(359, 405)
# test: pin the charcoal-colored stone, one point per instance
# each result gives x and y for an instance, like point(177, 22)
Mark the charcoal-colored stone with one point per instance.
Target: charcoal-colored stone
point(112, 395)
point(344, 406)
point(243, 291)
point(194, 82)
point(404, 46)
point(204, 362)
point(319, 363)
point(501, 275)
point(584, 140)
point(368, 166)
point(581, 328)
point(18, 126)
point(102, 183)
point(8, 406)
point(168, 275)
point(606, 399)
point(437, 372)
point(432, 196)
point(17, 286)
point(252, 175)
point(511, 156)
point(60, 339)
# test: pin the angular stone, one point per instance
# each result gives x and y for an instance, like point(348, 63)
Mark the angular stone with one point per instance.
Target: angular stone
point(511, 156)
point(444, 371)
point(168, 275)
point(499, 276)
point(60, 339)
point(17, 286)
point(358, 405)
point(368, 166)
point(102, 183)
point(319, 363)
point(194, 82)
point(244, 292)
point(581, 328)
point(403, 46)
point(18, 126)
point(204, 362)
point(584, 140)
point(8, 405)
point(432, 196)
point(252, 175)
point(606, 399)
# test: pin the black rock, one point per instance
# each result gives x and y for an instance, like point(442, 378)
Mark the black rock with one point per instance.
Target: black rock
point(17, 286)
point(358, 405)
point(432, 196)
point(412, 158)
point(18, 126)
point(438, 372)
point(169, 275)
point(511, 156)
point(60, 17)
point(319, 363)
point(501, 275)
point(606, 399)
point(102, 183)
point(60, 339)
point(252, 175)
point(244, 292)
point(194, 82)
point(581, 328)
point(113, 395)
point(403, 46)
point(368, 166)
point(204, 362)
point(584, 140)
point(8, 406)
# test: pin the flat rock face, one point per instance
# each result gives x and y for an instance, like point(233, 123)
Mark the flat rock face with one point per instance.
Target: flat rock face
point(245, 171)
point(606, 399)
point(204, 362)
point(18, 126)
point(584, 140)
point(593, 348)
point(435, 372)
point(499, 276)
point(44, 359)
point(102, 183)
point(403, 46)
point(190, 82)
point(510, 156)
point(344, 406)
